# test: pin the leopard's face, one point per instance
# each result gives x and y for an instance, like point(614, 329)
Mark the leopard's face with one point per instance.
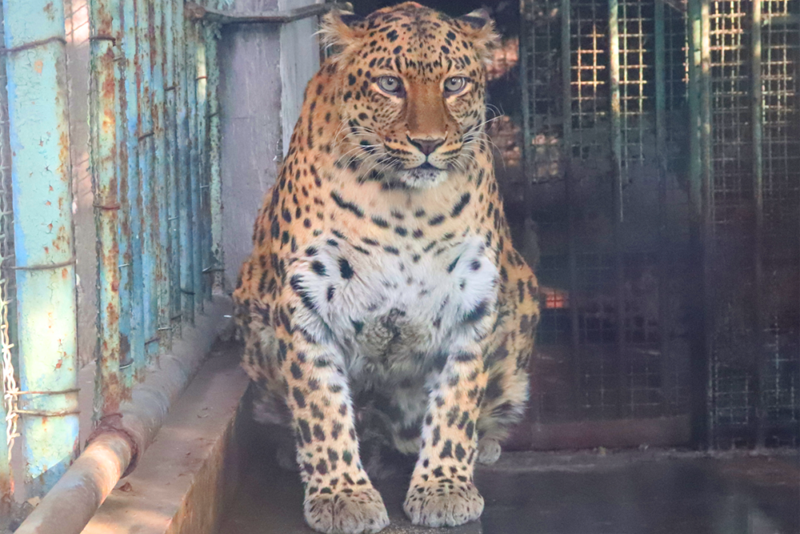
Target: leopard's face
point(413, 93)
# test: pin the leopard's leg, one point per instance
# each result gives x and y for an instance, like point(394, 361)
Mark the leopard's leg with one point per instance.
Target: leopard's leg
point(508, 381)
point(339, 496)
point(442, 491)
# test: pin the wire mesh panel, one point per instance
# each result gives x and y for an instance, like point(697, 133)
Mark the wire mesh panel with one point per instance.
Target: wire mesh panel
point(611, 287)
point(754, 330)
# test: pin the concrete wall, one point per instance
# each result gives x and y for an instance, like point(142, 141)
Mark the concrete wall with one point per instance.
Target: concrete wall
point(265, 69)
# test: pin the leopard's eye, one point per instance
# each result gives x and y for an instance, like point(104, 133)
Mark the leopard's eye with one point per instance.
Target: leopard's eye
point(455, 85)
point(390, 84)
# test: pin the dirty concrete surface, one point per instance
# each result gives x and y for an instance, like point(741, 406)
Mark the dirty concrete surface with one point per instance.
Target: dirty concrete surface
point(606, 492)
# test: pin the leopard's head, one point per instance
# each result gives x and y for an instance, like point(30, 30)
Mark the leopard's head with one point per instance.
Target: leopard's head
point(411, 90)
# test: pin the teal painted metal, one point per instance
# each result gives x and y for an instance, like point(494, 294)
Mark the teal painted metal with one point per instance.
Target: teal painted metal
point(104, 32)
point(173, 157)
point(149, 211)
point(131, 314)
point(46, 303)
point(196, 142)
point(213, 169)
point(160, 218)
point(184, 83)
point(202, 226)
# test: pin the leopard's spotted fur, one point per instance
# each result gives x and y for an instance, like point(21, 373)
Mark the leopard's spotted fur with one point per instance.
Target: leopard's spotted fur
point(383, 271)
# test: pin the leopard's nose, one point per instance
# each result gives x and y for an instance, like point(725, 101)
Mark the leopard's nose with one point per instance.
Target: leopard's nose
point(426, 146)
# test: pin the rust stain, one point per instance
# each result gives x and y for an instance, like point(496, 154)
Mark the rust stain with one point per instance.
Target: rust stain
point(50, 11)
point(59, 363)
point(38, 66)
point(64, 273)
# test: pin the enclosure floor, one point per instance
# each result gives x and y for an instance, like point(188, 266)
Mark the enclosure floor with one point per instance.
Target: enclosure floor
point(654, 492)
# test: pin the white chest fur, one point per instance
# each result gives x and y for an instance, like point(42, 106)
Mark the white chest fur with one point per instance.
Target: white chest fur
point(390, 314)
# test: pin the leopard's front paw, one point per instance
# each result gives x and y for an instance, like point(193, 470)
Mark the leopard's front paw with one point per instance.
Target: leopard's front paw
point(443, 503)
point(347, 511)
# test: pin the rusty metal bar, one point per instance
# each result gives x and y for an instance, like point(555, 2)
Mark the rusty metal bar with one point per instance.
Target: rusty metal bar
point(160, 168)
point(173, 158)
point(40, 167)
point(202, 224)
point(192, 46)
point(131, 333)
point(216, 260)
point(198, 12)
point(184, 84)
point(119, 442)
point(104, 31)
point(149, 211)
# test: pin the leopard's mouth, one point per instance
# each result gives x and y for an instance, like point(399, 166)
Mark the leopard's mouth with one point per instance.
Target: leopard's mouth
point(423, 176)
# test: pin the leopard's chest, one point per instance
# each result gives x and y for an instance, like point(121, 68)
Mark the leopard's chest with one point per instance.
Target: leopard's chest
point(392, 312)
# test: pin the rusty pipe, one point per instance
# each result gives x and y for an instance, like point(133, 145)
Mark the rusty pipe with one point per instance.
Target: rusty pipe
point(120, 440)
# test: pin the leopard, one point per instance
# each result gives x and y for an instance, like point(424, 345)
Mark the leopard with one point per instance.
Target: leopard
point(383, 276)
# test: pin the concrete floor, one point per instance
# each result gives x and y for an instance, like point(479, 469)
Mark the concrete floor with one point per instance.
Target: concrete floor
point(653, 492)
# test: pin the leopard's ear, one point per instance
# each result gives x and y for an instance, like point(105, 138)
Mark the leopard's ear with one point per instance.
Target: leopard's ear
point(340, 28)
point(479, 27)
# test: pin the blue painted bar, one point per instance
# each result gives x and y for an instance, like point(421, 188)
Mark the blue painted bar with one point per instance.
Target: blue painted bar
point(160, 222)
point(203, 225)
point(44, 243)
point(131, 331)
point(104, 31)
point(192, 48)
point(185, 83)
point(149, 212)
point(216, 260)
point(171, 124)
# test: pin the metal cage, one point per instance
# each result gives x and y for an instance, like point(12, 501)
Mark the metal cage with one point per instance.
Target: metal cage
point(661, 143)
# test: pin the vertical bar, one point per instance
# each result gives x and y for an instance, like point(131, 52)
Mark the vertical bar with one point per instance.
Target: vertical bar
point(700, 406)
point(8, 420)
point(663, 234)
point(192, 46)
point(202, 226)
point(159, 205)
point(758, 206)
point(148, 213)
point(617, 199)
point(185, 83)
point(616, 123)
point(215, 181)
point(104, 32)
point(131, 331)
point(526, 43)
point(566, 114)
point(44, 244)
point(708, 206)
point(173, 158)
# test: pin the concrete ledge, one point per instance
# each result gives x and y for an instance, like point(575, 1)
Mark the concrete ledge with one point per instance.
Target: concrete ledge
point(185, 477)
